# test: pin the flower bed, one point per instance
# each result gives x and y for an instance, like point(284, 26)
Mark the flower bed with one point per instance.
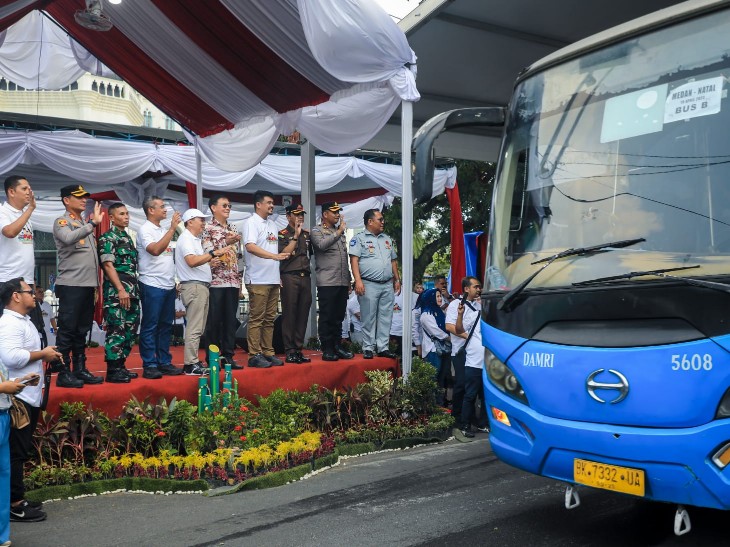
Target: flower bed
point(237, 442)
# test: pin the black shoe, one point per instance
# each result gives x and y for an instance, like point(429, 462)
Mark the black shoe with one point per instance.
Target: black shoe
point(330, 356)
point(117, 376)
point(343, 353)
point(26, 514)
point(303, 359)
point(66, 379)
point(387, 353)
point(367, 354)
point(468, 433)
point(230, 361)
point(169, 369)
point(27, 503)
point(258, 361)
point(196, 370)
point(86, 377)
point(132, 375)
point(151, 373)
point(293, 357)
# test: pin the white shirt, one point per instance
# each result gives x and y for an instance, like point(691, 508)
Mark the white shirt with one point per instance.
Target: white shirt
point(474, 351)
point(353, 307)
point(18, 337)
point(188, 244)
point(396, 324)
point(430, 327)
point(179, 306)
point(16, 252)
point(155, 271)
point(47, 311)
point(417, 333)
point(261, 232)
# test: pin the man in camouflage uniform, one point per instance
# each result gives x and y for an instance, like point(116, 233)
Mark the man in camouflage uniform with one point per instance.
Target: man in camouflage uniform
point(118, 257)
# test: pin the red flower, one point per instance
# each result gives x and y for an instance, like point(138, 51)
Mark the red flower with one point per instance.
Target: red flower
point(255, 431)
point(215, 413)
point(237, 428)
point(160, 433)
point(244, 408)
point(243, 437)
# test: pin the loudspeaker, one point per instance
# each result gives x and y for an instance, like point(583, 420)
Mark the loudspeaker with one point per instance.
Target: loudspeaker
point(242, 335)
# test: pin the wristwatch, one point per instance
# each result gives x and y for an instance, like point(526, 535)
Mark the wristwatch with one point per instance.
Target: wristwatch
point(211, 253)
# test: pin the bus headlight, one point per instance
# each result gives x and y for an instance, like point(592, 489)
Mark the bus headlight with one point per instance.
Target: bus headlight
point(502, 377)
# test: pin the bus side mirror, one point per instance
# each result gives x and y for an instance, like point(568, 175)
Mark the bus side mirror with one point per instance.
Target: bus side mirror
point(423, 141)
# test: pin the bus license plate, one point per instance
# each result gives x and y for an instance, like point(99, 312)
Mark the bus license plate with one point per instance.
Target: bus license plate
point(609, 477)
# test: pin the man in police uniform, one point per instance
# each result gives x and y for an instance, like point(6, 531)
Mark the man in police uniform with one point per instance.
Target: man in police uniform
point(118, 257)
point(78, 267)
point(296, 286)
point(374, 266)
point(333, 279)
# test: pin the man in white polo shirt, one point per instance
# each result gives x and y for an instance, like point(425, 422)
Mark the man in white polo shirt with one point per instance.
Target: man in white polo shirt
point(192, 265)
point(156, 269)
point(21, 353)
point(16, 243)
point(262, 280)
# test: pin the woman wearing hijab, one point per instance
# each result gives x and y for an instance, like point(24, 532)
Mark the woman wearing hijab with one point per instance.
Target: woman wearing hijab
point(434, 333)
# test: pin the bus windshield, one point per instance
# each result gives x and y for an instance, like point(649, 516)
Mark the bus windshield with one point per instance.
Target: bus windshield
point(630, 141)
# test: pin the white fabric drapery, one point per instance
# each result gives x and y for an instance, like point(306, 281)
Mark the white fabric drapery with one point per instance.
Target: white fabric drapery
point(104, 164)
point(352, 51)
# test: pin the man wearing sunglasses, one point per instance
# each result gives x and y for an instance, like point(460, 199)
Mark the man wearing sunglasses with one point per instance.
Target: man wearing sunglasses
point(225, 287)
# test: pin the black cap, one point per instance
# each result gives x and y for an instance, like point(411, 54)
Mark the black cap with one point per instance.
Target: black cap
point(295, 209)
point(75, 190)
point(331, 206)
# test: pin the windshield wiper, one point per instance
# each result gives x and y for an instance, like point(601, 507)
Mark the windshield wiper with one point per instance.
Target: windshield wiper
point(661, 273)
point(631, 275)
point(514, 293)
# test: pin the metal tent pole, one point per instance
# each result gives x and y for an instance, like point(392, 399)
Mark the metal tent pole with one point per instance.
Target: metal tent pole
point(309, 204)
point(407, 234)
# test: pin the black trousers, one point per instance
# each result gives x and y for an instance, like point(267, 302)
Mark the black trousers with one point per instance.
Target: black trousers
point(21, 444)
point(296, 300)
point(457, 398)
point(222, 319)
point(75, 316)
point(332, 309)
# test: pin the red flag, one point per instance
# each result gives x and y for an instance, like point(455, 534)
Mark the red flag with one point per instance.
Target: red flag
point(192, 194)
point(102, 227)
point(458, 254)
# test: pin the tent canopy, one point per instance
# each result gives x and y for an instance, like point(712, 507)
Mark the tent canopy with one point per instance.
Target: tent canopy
point(234, 74)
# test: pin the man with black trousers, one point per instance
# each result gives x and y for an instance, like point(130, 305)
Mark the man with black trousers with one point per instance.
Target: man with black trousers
point(77, 281)
point(21, 353)
point(333, 279)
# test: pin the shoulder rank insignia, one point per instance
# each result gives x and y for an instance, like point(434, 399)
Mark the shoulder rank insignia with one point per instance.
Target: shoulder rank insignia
point(62, 222)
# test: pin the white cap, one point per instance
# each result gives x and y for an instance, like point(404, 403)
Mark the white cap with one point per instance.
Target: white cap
point(193, 213)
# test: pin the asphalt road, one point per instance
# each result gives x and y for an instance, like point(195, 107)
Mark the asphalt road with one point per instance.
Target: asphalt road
point(449, 494)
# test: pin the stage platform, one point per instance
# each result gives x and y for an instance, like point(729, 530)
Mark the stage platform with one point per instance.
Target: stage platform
point(251, 381)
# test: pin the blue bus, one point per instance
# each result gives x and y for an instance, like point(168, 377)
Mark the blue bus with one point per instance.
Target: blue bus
point(606, 309)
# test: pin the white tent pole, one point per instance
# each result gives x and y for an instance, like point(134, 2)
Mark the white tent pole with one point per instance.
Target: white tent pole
point(309, 204)
point(407, 234)
point(199, 181)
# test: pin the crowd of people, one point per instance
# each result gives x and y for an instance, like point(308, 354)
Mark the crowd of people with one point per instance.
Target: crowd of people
point(204, 270)
point(150, 285)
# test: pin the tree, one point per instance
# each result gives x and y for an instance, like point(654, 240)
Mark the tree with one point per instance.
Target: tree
point(432, 220)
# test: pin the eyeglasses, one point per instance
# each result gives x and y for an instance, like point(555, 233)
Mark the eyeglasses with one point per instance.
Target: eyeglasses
point(27, 291)
point(225, 205)
point(381, 219)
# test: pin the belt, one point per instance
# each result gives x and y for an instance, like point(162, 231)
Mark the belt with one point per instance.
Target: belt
point(204, 283)
point(4, 410)
point(300, 273)
point(381, 282)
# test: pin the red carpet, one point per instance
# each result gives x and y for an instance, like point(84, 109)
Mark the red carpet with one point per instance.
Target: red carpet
point(251, 381)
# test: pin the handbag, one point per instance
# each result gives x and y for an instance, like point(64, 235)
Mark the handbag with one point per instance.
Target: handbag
point(19, 417)
point(441, 347)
